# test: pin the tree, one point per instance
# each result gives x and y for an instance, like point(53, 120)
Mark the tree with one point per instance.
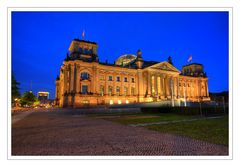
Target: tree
point(15, 89)
point(28, 98)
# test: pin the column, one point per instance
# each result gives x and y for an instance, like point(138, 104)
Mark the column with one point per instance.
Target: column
point(75, 78)
point(149, 84)
point(65, 80)
point(166, 86)
point(71, 78)
point(129, 84)
point(175, 87)
point(155, 85)
point(199, 88)
point(163, 86)
point(178, 88)
point(158, 85)
point(207, 89)
point(78, 79)
point(97, 86)
point(122, 87)
point(114, 83)
point(105, 87)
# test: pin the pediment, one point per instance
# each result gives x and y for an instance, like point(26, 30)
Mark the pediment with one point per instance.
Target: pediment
point(165, 66)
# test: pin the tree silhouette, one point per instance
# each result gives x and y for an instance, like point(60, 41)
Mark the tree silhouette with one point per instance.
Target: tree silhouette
point(28, 98)
point(15, 89)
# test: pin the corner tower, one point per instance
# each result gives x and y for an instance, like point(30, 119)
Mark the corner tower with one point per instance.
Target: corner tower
point(83, 50)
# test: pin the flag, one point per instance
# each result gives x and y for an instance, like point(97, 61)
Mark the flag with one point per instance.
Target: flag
point(83, 33)
point(190, 58)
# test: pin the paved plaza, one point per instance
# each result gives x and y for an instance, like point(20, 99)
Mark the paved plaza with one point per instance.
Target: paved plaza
point(62, 133)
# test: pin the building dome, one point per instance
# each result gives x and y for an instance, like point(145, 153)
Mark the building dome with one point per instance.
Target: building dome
point(125, 59)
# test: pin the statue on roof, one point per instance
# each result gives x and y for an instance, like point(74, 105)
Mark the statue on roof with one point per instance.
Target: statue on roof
point(170, 60)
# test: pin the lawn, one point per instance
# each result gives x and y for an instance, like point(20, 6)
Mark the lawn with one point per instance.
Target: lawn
point(211, 130)
point(146, 118)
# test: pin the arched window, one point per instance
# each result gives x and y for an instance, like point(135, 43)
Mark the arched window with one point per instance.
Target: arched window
point(85, 76)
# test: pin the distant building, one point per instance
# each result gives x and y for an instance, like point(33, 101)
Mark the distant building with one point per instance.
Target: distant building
point(43, 97)
point(131, 79)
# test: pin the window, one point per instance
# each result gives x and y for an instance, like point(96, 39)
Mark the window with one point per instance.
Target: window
point(101, 78)
point(110, 91)
point(125, 91)
point(84, 89)
point(75, 48)
point(85, 76)
point(118, 79)
point(118, 90)
point(110, 78)
point(125, 79)
point(85, 102)
point(133, 80)
point(132, 91)
point(101, 90)
point(80, 50)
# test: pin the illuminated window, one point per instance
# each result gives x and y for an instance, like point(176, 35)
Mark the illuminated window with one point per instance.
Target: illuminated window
point(101, 90)
point(125, 91)
point(119, 102)
point(132, 91)
point(127, 101)
point(110, 90)
point(118, 90)
point(101, 78)
point(111, 102)
point(85, 102)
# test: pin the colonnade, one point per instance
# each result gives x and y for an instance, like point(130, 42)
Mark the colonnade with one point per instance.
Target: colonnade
point(165, 86)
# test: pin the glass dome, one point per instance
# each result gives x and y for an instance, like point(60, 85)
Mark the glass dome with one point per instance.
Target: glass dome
point(125, 59)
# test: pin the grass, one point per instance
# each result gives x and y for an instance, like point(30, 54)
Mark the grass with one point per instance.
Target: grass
point(147, 118)
point(210, 130)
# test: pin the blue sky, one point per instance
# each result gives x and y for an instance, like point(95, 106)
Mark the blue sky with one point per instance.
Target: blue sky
point(40, 41)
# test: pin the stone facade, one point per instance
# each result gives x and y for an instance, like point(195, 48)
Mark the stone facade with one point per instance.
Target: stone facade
point(84, 80)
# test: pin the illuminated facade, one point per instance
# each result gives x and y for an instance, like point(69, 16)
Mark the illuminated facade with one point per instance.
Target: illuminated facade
point(84, 80)
point(43, 96)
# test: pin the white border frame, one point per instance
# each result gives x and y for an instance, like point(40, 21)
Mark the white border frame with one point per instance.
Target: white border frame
point(177, 9)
